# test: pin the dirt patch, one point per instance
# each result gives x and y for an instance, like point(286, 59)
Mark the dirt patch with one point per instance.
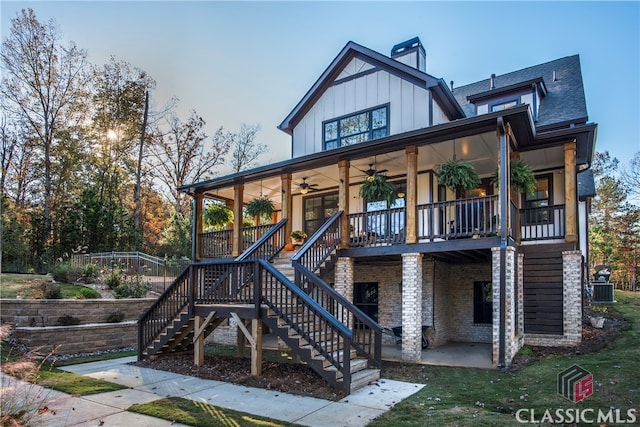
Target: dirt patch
point(285, 377)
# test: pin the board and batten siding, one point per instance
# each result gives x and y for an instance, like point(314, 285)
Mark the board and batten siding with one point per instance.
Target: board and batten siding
point(408, 105)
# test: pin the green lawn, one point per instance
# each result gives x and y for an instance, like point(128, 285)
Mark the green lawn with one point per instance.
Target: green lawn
point(13, 283)
point(465, 397)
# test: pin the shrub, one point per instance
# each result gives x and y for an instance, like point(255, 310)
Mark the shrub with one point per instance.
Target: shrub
point(88, 293)
point(115, 317)
point(526, 351)
point(114, 279)
point(137, 287)
point(66, 273)
point(20, 403)
point(68, 320)
point(91, 270)
point(45, 290)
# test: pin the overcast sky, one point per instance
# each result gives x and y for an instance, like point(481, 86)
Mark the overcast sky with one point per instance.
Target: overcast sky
point(251, 62)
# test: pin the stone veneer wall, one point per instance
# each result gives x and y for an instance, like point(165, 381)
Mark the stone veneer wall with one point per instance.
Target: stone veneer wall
point(46, 312)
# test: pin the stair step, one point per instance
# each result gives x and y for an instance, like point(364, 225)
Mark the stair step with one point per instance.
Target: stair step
point(363, 378)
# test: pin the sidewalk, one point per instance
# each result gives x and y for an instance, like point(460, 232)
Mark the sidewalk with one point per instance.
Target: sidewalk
point(147, 385)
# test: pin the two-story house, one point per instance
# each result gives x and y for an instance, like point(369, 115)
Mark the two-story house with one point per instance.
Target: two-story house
point(486, 265)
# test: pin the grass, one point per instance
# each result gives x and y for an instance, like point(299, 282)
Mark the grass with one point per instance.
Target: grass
point(13, 284)
point(464, 397)
point(194, 413)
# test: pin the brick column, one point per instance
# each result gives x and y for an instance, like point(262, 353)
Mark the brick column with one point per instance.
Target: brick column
point(512, 341)
point(411, 307)
point(520, 331)
point(572, 296)
point(344, 280)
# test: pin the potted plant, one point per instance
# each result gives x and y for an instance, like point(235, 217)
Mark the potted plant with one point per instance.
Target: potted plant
point(458, 174)
point(298, 236)
point(378, 188)
point(521, 176)
point(260, 207)
point(217, 216)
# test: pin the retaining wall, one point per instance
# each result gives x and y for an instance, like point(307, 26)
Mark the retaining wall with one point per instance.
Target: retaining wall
point(47, 312)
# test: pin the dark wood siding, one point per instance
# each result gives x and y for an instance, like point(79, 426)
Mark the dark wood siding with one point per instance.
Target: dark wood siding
point(543, 312)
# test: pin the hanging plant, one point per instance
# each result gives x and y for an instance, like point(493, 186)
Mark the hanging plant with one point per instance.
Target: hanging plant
point(457, 174)
point(521, 176)
point(260, 207)
point(217, 216)
point(378, 188)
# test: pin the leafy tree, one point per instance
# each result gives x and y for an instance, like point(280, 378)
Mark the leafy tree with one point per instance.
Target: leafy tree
point(44, 84)
point(631, 178)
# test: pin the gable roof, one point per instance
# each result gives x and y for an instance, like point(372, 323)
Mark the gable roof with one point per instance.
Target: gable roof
point(351, 50)
point(563, 104)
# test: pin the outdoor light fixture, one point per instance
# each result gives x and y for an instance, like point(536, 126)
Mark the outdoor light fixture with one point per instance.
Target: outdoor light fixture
point(304, 191)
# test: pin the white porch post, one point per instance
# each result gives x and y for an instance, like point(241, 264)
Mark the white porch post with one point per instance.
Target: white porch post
point(411, 307)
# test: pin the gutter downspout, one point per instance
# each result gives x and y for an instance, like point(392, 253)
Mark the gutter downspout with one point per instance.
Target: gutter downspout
point(504, 211)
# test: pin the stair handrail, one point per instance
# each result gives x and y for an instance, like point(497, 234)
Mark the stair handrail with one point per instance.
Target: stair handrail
point(319, 247)
point(172, 297)
point(335, 303)
point(259, 245)
point(310, 305)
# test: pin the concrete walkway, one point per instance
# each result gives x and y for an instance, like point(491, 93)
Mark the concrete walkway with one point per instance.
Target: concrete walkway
point(147, 385)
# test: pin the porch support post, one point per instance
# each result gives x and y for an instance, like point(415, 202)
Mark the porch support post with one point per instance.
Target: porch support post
point(411, 307)
point(198, 342)
point(287, 204)
point(506, 341)
point(197, 221)
point(256, 350)
point(412, 194)
point(572, 297)
point(238, 190)
point(500, 281)
point(343, 201)
point(344, 281)
point(570, 193)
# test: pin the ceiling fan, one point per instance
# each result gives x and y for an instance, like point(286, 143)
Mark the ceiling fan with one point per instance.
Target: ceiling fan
point(371, 172)
point(305, 187)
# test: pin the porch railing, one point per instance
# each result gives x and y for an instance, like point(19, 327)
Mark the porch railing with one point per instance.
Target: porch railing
point(219, 244)
point(541, 223)
point(472, 217)
point(377, 227)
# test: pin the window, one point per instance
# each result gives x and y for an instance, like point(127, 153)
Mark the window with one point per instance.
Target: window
point(503, 105)
point(482, 303)
point(357, 128)
point(365, 297)
point(536, 204)
point(317, 210)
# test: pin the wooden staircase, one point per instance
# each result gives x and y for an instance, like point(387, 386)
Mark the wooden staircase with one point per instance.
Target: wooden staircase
point(360, 372)
point(251, 287)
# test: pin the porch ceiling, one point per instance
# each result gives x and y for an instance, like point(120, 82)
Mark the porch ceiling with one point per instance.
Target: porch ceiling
point(480, 149)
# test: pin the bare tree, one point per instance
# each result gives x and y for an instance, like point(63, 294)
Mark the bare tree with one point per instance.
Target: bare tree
point(631, 178)
point(43, 82)
point(184, 155)
point(245, 149)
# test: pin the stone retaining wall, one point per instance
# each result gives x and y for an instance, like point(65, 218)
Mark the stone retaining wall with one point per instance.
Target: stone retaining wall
point(47, 312)
point(80, 338)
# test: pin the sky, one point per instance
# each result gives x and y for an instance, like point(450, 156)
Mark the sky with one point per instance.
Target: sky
point(251, 62)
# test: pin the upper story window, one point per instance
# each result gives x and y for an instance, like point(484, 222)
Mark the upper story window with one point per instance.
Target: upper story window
point(503, 105)
point(356, 128)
